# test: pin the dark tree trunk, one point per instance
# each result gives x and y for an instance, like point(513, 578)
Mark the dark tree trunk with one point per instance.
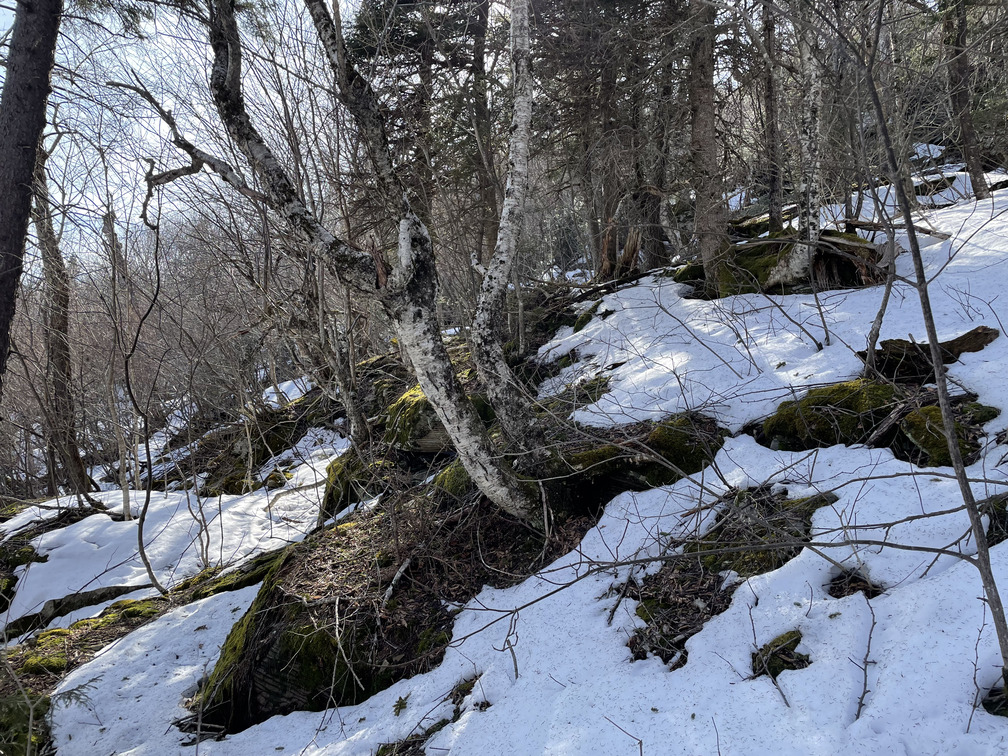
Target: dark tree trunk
point(59, 368)
point(22, 119)
point(959, 92)
point(486, 171)
point(771, 136)
point(710, 218)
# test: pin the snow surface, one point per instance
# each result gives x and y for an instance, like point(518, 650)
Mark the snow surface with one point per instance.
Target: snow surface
point(557, 677)
point(183, 533)
point(288, 391)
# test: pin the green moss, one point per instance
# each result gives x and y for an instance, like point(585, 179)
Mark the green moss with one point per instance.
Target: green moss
point(137, 609)
point(276, 479)
point(749, 267)
point(432, 639)
point(49, 654)
point(778, 655)
point(412, 424)
point(690, 273)
point(585, 317)
point(844, 413)
point(454, 480)
point(979, 414)
point(596, 460)
point(220, 687)
point(248, 574)
point(683, 445)
point(23, 726)
point(747, 536)
point(650, 609)
point(925, 429)
point(349, 480)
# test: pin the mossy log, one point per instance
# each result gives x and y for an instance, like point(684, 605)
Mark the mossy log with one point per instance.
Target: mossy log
point(905, 361)
point(768, 264)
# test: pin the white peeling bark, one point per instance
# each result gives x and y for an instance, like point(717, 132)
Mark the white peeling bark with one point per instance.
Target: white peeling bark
point(503, 390)
point(411, 300)
point(409, 295)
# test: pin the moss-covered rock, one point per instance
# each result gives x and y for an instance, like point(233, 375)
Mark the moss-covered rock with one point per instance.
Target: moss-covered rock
point(350, 480)
point(691, 273)
point(925, 429)
point(980, 414)
point(454, 480)
point(778, 655)
point(299, 647)
point(412, 424)
point(844, 413)
point(747, 268)
point(684, 444)
point(757, 530)
point(647, 456)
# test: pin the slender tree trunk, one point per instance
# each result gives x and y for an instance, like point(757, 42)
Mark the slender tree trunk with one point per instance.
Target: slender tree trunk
point(512, 408)
point(959, 72)
point(486, 171)
point(982, 560)
point(30, 60)
point(771, 133)
point(809, 137)
point(59, 367)
point(710, 217)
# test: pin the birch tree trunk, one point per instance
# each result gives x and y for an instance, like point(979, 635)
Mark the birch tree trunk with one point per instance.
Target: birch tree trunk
point(503, 391)
point(26, 89)
point(408, 294)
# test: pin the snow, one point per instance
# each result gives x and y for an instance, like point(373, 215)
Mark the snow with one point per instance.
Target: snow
point(183, 533)
point(288, 391)
point(557, 676)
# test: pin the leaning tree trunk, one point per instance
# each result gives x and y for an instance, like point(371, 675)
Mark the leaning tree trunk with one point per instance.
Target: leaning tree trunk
point(30, 60)
point(959, 92)
point(59, 367)
point(408, 294)
point(710, 221)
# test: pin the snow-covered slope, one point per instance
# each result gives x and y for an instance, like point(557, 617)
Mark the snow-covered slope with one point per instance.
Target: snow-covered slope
point(900, 673)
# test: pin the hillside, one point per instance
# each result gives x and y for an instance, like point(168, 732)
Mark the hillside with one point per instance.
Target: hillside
point(814, 600)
